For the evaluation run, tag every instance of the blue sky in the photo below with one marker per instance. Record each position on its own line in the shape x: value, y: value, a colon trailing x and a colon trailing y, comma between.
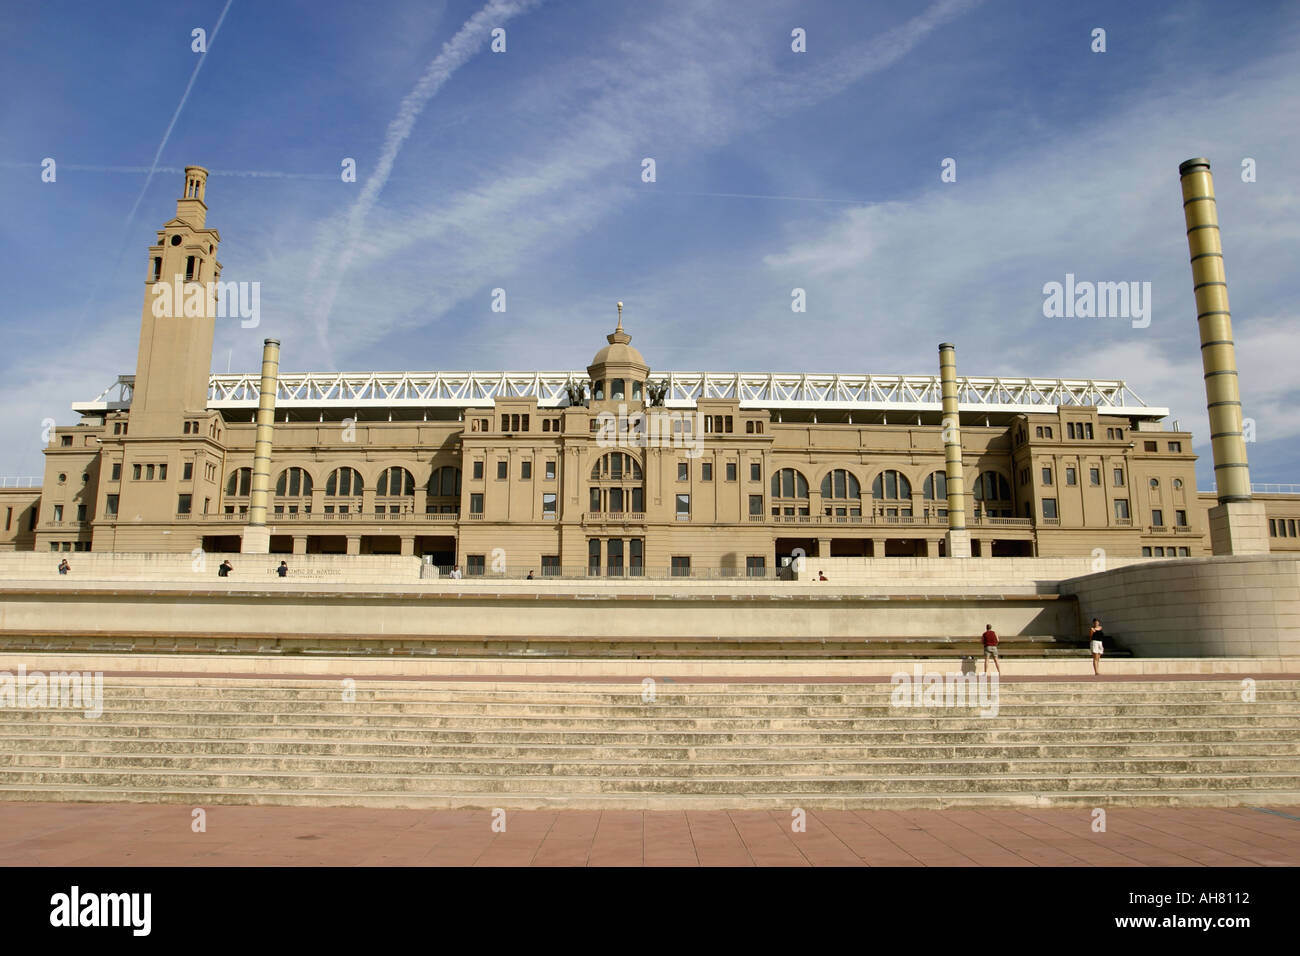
x: 522, y: 170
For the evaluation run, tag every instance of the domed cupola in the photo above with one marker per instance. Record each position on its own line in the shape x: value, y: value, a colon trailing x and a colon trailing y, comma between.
x: 618, y: 372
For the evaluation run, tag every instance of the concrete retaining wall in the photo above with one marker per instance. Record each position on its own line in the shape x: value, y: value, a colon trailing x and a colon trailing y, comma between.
x: 1246, y: 606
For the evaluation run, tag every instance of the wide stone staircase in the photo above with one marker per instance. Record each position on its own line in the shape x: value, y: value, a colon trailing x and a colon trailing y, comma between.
x: 437, y: 744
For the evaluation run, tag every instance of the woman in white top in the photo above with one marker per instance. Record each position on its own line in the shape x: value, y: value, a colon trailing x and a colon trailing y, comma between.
x: 1095, y: 638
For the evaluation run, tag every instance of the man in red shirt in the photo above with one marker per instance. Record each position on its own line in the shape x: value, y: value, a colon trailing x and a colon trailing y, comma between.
x: 991, y: 648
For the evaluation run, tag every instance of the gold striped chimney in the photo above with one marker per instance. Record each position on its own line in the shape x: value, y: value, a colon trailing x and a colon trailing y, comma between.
x: 1237, y: 525
x: 256, y: 537
x: 958, y: 538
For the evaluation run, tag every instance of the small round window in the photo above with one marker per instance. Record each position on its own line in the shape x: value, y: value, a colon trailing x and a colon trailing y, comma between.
x: 176, y: 240
x: 1178, y: 482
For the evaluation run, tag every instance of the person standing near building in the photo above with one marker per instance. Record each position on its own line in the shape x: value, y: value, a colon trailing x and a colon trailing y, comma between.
x: 1096, y: 639
x: 283, y: 569
x: 224, y: 570
x: 990, y: 639
x: 64, y: 567
x: 455, y: 572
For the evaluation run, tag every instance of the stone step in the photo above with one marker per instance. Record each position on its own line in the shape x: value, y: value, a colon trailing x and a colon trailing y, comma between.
x: 478, y: 783
x: 493, y: 733
x: 607, y: 766
x: 1284, y: 748
x: 434, y: 800
x: 901, y: 719
x: 634, y: 707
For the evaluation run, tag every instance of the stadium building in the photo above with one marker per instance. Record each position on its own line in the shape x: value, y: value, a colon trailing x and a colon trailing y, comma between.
x: 615, y: 470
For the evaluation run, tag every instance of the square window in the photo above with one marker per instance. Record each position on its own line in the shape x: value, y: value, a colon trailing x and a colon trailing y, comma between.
x: 1176, y: 447
x: 1049, y: 508
x: 1148, y: 446
x: 183, y: 505
x: 681, y: 567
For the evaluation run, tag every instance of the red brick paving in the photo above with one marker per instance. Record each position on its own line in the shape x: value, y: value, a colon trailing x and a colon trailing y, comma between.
x: 69, y: 834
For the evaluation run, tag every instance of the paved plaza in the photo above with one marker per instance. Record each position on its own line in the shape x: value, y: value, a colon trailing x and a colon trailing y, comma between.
x: 63, y: 834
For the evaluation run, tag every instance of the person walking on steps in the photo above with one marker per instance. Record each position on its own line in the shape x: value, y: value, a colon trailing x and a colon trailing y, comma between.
x: 990, y: 639
x: 1096, y: 639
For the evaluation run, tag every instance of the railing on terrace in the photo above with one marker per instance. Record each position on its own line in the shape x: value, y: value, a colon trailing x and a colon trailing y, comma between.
x: 20, y: 481
x: 618, y: 573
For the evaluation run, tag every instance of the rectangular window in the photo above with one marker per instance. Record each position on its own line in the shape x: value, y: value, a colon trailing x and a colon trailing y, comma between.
x: 548, y: 506
x: 81, y: 513
x: 731, y: 471
x: 638, y: 500
x: 1071, y: 476
x: 1184, y: 553
x: 756, y: 504
x: 706, y: 471
x: 503, y: 469
x: 476, y: 504
x: 636, y: 557
x: 148, y: 472
x: 1049, y: 508
x: 1094, y: 476
x: 593, y: 556
x: 65, y: 441
x: 614, y: 557
x: 110, y: 506
x: 525, y: 470
x: 1157, y: 518
x: 683, y: 507
x: 187, y: 471
x: 478, y: 469
x: 1180, y: 519
x: 135, y: 472
x: 183, y: 505
x: 681, y: 567
x: 550, y: 565
x: 755, y: 471
x: 162, y: 472
x: 1148, y: 446
x: 58, y: 513
x: 9, y: 518
x: 1047, y: 476
x: 1272, y: 527
x: 116, y: 473
x: 756, y: 566
x: 1038, y: 432
x: 550, y: 471
x: 616, y: 500
x: 1087, y: 427
x: 683, y: 471
x: 1119, y: 477
x: 1176, y: 447
x: 475, y: 565
x: 1121, y: 509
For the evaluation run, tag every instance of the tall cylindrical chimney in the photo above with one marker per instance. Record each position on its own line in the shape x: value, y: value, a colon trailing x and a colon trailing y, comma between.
x: 958, y: 537
x: 1218, y: 357
x: 259, y: 499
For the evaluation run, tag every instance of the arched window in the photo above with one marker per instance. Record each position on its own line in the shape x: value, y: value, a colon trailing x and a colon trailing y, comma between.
x: 444, y: 482
x: 293, y: 483
x: 935, y: 486
x: 240, y: 482
x: 789, y: 483
x: 891, y: 485
x: 395, y: 482
x: 616, y: 466
x: 841, y: 484
x: 344, y: 481
x: 993, y: 492
x: 789, y: 494
x: 990, y: 486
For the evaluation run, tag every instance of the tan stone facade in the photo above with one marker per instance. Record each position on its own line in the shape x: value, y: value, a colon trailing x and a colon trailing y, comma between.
x: 516, y: 485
